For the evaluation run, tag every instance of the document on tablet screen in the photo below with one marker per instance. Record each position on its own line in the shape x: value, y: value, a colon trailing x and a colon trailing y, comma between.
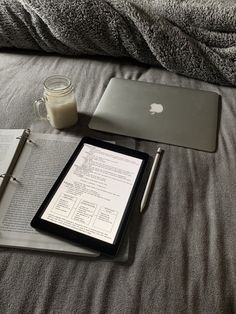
x: 93, y: 195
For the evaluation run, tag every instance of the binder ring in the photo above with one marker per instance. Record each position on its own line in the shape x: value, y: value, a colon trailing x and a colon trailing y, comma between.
x: 27, y: 134
x: 8, y: 175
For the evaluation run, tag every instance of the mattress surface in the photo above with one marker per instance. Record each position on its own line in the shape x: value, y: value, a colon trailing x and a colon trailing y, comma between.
x: 182, y: 254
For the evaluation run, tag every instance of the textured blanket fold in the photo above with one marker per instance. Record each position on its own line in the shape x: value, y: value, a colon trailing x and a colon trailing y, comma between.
x: 195, y: 38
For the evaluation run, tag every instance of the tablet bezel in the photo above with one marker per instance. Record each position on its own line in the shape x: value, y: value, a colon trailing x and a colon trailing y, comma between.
x: 75, y: 236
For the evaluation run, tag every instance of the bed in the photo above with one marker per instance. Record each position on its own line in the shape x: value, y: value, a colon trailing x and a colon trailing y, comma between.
x: 182, y: 249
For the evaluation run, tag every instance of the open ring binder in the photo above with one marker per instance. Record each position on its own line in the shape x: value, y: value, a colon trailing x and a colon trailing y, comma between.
x: 20, y: 199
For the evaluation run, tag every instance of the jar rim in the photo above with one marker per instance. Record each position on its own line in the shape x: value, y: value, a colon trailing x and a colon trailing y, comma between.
x: 54, y: 80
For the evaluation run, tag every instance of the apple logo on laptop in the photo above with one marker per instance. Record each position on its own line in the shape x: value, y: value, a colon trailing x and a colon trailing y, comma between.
x: 156, y: 108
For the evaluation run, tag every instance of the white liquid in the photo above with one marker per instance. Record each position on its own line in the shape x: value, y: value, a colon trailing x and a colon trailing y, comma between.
x: 62, y: 111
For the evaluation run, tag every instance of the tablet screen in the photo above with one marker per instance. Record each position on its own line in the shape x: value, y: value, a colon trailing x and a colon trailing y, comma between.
x: 93, y: 195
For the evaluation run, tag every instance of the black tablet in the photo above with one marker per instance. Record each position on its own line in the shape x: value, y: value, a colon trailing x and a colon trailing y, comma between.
x: 93, y: 196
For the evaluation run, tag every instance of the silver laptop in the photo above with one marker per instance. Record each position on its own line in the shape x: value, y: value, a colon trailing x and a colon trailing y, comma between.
x: 174, y: 115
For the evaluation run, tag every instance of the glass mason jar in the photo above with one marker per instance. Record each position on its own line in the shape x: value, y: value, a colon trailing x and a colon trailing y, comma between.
x: 59, y: 102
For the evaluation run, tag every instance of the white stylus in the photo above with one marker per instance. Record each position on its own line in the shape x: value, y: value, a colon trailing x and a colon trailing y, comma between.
x: 150, y: 179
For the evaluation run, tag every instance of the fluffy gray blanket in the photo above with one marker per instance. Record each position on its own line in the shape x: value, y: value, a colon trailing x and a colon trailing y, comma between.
x: 196, y: 38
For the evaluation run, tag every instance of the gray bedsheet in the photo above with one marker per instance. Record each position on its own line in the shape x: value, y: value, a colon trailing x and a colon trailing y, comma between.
x: 182, y: 253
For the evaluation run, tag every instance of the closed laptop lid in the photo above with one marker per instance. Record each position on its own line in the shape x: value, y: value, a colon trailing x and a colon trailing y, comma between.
x: 174, y: 115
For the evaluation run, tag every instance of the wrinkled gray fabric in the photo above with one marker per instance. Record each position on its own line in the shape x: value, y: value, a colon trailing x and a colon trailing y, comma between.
x: 195, y: 37
x: 182, y: 255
